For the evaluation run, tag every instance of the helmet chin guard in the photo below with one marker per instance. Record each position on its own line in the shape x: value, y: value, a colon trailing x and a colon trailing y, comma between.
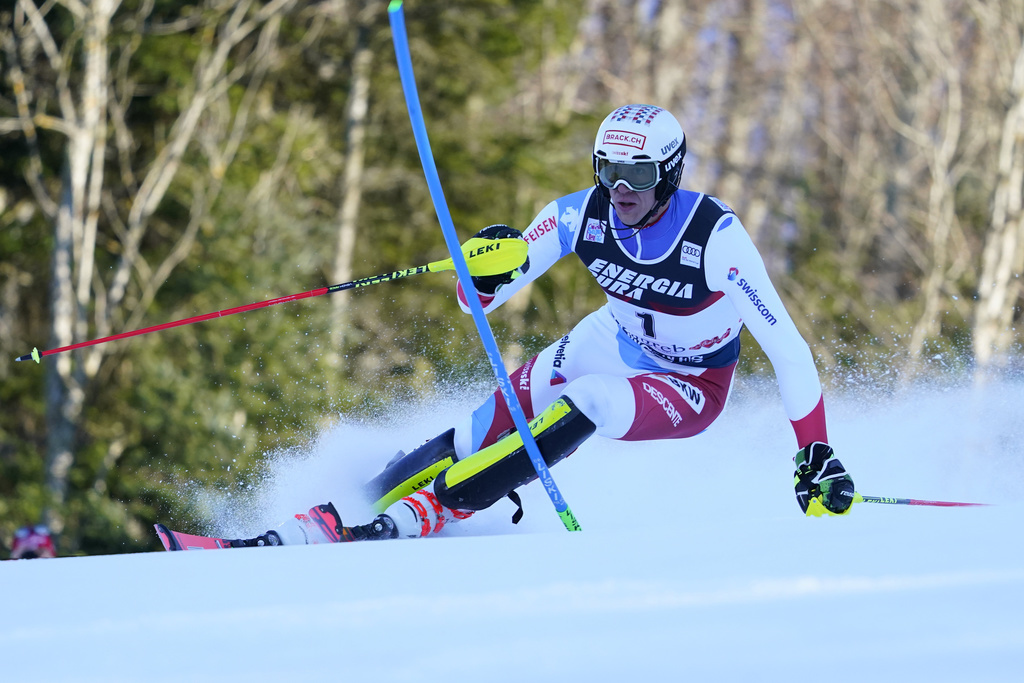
x: 642, y: 133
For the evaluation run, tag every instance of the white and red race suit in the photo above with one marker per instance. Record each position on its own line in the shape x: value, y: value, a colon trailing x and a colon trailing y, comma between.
x: 657, y: 360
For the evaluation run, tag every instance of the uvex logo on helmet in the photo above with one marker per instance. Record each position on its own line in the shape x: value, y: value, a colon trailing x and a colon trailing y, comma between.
x: 673, y: 162
x: 625, y: 138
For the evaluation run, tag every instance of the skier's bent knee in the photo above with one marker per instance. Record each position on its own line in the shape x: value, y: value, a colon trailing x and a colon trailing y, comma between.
x: 482, y: 479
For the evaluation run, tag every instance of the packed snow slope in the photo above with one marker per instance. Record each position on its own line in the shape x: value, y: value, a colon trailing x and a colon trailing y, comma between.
x: 694, y: 563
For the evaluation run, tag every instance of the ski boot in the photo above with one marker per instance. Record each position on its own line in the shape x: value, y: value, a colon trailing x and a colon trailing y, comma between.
x: 322, y: 524
x: 267, y: 539
x: 420, y: 515
x: 380, y: 529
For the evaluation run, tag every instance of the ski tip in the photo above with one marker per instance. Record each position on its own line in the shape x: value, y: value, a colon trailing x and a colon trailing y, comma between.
x: 166, y: 537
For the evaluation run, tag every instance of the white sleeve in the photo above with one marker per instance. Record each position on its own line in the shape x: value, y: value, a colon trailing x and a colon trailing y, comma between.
x: 548, y: 241
x: 735, y: 267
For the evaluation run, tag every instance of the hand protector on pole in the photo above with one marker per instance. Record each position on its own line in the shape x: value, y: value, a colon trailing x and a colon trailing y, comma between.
x: 822, y: 484
x: 490, y: 284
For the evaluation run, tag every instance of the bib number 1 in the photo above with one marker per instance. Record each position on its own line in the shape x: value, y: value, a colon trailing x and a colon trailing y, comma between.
x: 648, y: 323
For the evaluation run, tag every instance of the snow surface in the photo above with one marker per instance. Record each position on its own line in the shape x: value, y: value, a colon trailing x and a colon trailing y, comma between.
x: 694, y: 563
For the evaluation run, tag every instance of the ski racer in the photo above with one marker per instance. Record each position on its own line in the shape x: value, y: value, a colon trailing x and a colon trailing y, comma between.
x: 656, y: 361
x: 31, y: 542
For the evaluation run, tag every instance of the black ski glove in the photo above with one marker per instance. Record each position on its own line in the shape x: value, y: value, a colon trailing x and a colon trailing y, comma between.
x: 489, y: 284
x: 822, y: 483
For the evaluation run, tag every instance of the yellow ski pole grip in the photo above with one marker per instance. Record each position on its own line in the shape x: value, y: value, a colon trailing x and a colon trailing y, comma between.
x: 488, y: 257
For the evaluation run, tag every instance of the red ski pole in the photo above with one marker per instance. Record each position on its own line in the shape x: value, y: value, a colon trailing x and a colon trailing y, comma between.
x: 484, y: 257
x: 859, y: 498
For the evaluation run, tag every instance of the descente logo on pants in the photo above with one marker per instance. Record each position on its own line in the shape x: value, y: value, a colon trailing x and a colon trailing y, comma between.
x: 674, y: 415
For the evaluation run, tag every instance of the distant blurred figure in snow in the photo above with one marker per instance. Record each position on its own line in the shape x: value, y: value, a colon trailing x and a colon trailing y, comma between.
x: 682, y: 277
x: 31, y: 542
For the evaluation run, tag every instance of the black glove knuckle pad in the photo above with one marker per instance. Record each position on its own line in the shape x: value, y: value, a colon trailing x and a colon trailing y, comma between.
x: 498, y: 231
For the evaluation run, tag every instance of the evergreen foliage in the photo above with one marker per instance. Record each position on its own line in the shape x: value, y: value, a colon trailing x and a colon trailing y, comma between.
x: 512, y: 92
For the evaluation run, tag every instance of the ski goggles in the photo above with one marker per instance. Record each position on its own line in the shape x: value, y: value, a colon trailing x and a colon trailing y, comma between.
x: 638, y: 177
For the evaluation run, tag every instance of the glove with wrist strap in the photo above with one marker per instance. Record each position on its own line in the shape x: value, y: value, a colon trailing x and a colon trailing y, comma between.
x: 822, y: 484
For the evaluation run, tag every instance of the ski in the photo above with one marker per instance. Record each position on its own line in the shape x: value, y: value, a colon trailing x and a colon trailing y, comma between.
x: 322, y: 524
x: 177, y: 540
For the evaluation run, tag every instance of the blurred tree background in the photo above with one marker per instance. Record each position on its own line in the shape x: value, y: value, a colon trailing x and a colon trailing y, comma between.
x: 159, y: 160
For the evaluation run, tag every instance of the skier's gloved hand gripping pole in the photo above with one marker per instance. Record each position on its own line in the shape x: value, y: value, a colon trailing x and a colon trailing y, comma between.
x: 824, y: 488
x: 485, y: 257
x: 401, y: 42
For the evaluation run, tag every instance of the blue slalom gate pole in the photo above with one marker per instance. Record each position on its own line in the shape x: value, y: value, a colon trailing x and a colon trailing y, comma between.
x: 419, y: 129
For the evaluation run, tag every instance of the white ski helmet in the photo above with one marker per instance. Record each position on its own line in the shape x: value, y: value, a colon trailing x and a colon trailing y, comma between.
x: 642, y: 146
